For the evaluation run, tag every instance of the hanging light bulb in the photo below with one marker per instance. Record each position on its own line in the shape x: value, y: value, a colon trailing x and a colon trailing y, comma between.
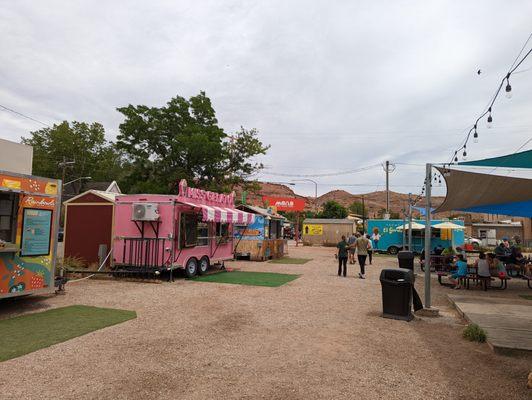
x: 508, y: 87
x: 464, y: 154
x: 455, y: 158
x: 439, y: 181
x: 490, y: 119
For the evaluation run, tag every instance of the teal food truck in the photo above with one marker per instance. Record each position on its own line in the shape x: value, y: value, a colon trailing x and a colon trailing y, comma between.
x: 391, y: 235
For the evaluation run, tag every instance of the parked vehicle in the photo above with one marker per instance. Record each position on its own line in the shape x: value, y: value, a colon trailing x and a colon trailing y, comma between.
x: 160, y: 233
x: 476, y: 243
x: 391, y: 238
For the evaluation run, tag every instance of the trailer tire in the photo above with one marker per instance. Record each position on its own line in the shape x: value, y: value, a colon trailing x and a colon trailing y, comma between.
x: 204, y: 265
x: 191, y: 267
x: 393, y: 250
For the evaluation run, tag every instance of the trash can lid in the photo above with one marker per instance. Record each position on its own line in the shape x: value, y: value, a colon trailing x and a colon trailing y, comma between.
x: 405, y: 254
x: 395, y: 274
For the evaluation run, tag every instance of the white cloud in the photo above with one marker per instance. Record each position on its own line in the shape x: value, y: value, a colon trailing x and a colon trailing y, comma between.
x: 331, y: 85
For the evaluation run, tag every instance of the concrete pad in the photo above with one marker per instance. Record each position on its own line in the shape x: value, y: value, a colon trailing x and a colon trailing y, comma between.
x: 507, y: 322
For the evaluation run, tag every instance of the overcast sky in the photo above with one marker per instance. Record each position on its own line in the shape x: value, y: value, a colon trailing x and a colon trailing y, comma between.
x: 332, y: 85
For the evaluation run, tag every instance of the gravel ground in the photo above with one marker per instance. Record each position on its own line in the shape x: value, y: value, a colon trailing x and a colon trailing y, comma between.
x: 318, y: 337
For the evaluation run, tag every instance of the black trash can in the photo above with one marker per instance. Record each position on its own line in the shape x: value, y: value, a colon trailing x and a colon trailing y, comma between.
x: 397, y: 287
x: 406, y: 259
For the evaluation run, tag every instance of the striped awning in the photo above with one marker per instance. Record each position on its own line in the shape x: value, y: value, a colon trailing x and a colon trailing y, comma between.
x: 223, y: 214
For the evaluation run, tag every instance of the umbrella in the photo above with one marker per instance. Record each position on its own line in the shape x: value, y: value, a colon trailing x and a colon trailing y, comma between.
x: 415, y: 226
x: 448, y: 225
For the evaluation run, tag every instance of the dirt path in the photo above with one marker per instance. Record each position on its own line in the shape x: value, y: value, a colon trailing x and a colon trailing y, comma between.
x: 318, y: 337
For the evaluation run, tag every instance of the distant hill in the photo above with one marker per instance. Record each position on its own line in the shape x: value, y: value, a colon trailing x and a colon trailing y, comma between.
x: 373, y: 201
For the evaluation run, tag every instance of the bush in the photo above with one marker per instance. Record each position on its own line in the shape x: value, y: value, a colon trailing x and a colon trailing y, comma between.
x: 474, y: 333
x: 73, y: 263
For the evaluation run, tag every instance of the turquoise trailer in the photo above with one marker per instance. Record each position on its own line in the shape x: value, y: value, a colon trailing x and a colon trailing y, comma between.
x: 391, y: 238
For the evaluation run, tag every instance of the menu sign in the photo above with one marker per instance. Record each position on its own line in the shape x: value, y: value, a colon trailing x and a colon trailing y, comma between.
x: 36, y: 232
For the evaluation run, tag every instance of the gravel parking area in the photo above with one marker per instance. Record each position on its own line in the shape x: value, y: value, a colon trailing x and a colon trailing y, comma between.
x: 317, y: 337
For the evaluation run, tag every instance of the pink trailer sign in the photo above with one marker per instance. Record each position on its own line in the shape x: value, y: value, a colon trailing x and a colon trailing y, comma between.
x: 156, y: 234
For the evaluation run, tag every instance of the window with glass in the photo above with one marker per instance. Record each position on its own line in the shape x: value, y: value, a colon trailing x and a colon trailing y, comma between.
x: 189, y: 230
x: 222, y: 232
x: 8, y: 216
x: 203, y: 234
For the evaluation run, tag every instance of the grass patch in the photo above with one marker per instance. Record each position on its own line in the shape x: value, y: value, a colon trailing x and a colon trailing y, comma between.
x: 249, y: 278
x: 474, y: 333
x: 27, y: 333
x: 289, y: 260
x: 526, y: 296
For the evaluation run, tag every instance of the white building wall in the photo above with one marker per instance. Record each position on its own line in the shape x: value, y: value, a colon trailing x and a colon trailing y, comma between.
x: 15, y: 157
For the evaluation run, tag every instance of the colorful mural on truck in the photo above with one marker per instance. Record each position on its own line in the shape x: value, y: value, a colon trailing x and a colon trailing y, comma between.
x: 27, y: 263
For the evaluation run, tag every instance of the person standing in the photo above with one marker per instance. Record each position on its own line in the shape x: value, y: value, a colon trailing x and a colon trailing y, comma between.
x: 376, y: 237
x: 351, y: 242
x: 342, y: 256
x: 362, y: 253
x: 370, y: 250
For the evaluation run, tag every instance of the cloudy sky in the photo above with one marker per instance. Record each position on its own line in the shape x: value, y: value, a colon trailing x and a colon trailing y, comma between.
x: 333, y: 86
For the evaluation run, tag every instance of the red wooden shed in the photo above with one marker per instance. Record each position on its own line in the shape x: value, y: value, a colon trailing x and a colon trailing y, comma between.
x: 88, y: 225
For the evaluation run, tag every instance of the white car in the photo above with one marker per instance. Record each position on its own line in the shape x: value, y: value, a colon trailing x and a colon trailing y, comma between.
x: 471, y: 240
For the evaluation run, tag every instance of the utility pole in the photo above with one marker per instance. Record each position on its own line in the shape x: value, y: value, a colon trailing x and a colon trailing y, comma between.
x: 388, y: 168
x: 428, y: 181
x: 363, y: 214
x: 64, y: 164
x: 409, y: 221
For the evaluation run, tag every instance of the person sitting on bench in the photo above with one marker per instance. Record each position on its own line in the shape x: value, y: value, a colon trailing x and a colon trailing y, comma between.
x: 483, y: 267
x: 496, y: 266
x: 461, y: 272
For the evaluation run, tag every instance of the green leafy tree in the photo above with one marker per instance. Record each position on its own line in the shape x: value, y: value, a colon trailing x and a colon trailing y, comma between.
x: 183, y: 140
x: 332, y: 209
x: 83, y: 143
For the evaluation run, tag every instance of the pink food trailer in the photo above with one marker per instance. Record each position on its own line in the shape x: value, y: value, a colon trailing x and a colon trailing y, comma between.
x: 155, y: 233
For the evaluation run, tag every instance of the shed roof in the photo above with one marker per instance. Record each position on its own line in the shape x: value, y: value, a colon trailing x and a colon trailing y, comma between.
x: 327, y: 221
x: 109, y: 196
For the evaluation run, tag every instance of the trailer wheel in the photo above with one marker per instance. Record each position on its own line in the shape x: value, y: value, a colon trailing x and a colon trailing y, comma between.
x: 191, y: 267
x: 393, y: 250
x: 203, y: 265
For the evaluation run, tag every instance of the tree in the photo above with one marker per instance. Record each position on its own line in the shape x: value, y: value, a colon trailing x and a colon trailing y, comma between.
x: 83, y: 143
x: 332, y: 209
x: 183, y: 140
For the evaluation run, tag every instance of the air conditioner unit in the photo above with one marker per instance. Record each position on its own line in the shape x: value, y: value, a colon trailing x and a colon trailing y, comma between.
x: 145, y: 212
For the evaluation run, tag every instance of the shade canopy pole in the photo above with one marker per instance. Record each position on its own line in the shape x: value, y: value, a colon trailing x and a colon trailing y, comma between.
x: 428, y: 181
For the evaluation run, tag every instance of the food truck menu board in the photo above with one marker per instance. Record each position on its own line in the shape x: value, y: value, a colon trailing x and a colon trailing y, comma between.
x: 36, y: 232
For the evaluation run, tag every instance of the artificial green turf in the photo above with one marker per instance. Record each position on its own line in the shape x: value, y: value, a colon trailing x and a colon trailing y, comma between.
x: 249, y: 278
x: 526, y: 296
x: 27, y: 333
x: 289, y: 260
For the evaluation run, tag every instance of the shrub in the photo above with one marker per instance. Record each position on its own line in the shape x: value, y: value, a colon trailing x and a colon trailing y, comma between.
x: 73, y: 263
x: 474, y: 333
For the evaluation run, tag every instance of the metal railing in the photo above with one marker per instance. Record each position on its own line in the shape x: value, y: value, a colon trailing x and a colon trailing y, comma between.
x: 144, y: 253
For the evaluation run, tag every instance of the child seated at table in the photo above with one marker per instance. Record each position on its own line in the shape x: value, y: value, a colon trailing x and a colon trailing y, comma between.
x: 482, y: 265
x: 461, y: 272
x: 497, y: 267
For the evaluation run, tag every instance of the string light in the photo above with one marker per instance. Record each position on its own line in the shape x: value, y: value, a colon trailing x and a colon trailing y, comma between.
x: 508, y: 90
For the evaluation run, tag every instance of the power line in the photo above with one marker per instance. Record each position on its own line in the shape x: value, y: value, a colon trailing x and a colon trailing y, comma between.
x: 353, y: 171
x: 23, y: 115
x: 523, y: 145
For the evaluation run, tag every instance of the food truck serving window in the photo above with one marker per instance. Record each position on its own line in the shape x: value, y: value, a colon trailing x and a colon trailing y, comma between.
x: 8, y: 216
x: 189, y: 230
x: 203, y: 234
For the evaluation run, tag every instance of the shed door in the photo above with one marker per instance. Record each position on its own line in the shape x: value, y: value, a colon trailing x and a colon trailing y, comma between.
x: 87, y: 227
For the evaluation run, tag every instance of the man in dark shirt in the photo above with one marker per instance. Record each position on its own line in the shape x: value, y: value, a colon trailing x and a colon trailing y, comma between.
x: 342, y: 256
